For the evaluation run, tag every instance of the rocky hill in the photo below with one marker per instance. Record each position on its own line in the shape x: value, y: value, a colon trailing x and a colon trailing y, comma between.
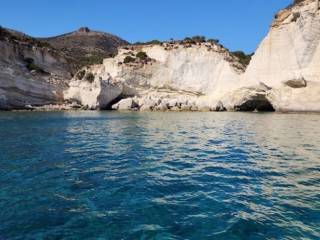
x: 85, y: 46
x: 35, y: 72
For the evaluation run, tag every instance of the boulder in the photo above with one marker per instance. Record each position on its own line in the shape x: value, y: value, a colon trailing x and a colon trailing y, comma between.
x: 172, y: 103
x: 220, y: 107
x: 185, y: 107
x: 161, y: 107
x: 175, y: 109
x: 296, y: 83
x: 148, y: 103
x: 194, y: 108
x: 125, y: 105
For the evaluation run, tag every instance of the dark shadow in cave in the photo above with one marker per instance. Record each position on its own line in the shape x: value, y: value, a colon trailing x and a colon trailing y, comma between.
x: 261, y: 104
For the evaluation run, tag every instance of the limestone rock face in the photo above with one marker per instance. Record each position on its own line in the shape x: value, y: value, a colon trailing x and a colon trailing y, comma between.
x: 30, y: 75
x: 95, y: 94
x: 205, y: 76
x: 283, y: 75
x: 287, y: 61
x: 287, y: 99
x: 154, y: 74
x: 291, y: 50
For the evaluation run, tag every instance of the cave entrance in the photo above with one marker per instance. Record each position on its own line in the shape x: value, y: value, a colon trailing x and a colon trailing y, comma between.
x: 114, y: 101
x: 261, y: 104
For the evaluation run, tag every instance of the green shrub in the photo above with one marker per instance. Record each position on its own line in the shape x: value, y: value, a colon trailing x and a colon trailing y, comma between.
x: 92, y: 60
x: 155, y: 42
x: 90, y: 77
x: 189, y: 40
x: 80, y: 74
x: 213, y: 41
x: 243, y: 58
x: 152, y: 42
x: 296, y: 15
x: 31, y: 66
x: 40, y: 44
x: 199, y: 39
x: 129, y: 59
x: 142, y: 55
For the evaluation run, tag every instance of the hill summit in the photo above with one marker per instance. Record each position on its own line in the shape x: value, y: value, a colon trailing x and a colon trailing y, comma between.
x: 86, y: 46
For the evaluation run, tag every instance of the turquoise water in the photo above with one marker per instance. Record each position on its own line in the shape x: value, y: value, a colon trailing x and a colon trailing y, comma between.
x: 100, y: 175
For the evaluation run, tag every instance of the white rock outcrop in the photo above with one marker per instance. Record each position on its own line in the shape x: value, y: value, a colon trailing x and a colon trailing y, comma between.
x: 291, y: 50
x: 192, y: 76
x: 283, y: 75
x: 93, y: 94
x: 288, y: 59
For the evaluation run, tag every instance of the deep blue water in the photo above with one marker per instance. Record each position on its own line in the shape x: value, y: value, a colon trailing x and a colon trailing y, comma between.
x: 100, y: 175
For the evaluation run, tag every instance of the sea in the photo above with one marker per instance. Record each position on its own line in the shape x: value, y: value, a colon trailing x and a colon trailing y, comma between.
x: 110, y: 175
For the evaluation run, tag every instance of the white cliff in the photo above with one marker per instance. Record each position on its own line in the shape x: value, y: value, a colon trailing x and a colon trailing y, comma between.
x: 92, y: 92
x: 176, y: 76
x: 289, y: 55
x: 283, y: 75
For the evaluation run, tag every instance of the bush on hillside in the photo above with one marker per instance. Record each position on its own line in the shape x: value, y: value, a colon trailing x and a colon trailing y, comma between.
x: 92, y: 60
x: 199, y: 39
x: 129, y: 59
x: 243, y: 58
x: 31, y: 66
x: 152, y: 42
x: 90, y: 77
x: 188, y: 40
x: 80, y: 74
x: 142, y: 55
x: 213, y: 41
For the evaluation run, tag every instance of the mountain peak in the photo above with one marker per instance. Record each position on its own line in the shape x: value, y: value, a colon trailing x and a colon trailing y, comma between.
x: 84, y: 30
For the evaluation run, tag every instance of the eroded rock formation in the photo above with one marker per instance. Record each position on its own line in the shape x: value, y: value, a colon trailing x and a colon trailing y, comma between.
x: 193, y: 76
x: 31, y: 73
x: 189, y: 75
x: 288, y: 60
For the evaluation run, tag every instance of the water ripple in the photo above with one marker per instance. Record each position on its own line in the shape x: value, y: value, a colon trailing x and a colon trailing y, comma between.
x: 91, y: 175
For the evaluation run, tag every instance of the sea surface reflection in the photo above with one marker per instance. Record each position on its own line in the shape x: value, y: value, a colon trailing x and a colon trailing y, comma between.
x: 105, y: 175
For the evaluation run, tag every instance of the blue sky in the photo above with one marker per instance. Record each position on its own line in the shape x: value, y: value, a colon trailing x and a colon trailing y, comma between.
x: 239, y: 24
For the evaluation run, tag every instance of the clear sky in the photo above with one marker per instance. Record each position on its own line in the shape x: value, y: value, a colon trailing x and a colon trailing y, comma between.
x: 239, y: 24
